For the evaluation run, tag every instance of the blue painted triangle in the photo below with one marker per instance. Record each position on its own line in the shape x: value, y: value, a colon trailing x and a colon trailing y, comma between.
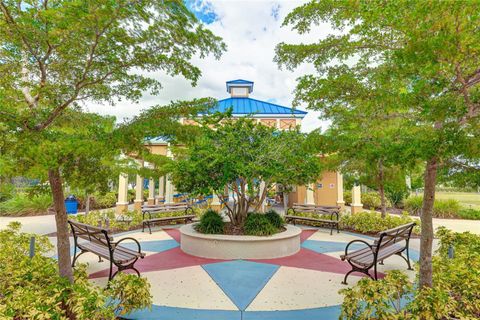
x: 241, y: 280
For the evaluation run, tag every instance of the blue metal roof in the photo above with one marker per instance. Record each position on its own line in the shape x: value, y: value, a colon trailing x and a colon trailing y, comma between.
x: 252, y: 106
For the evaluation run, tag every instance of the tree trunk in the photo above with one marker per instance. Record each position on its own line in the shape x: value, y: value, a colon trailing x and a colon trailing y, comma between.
x: 381, y: 188
x: 285, y: 202
x: 63, y: 242
x: 426, y: 239
x: 87, y: 203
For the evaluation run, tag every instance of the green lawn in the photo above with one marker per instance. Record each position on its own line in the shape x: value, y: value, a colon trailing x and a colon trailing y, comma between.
x: 467, y: 199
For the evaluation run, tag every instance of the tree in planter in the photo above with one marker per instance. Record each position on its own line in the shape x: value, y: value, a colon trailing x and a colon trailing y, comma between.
x: 428, y: 50
x: 54, y: 56
x: 239, y: 154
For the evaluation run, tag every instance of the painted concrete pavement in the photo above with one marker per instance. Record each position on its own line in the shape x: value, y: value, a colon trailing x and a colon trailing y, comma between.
x: 302, y: 286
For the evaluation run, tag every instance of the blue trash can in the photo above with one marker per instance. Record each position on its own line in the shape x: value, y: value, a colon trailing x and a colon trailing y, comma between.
x: 71, y: 204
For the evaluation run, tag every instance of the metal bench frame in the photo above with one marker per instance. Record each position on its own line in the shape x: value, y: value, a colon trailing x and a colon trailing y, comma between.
x: 102, y: 237
x: 333, y: 211
x: 384, y: 240
x: 168, y: 208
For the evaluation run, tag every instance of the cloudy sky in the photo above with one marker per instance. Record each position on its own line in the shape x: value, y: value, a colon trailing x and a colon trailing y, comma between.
x: 251, y: 30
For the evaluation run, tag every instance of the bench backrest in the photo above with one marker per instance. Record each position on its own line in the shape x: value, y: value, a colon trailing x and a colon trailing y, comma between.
x: 93, y: 234
x: 315, y: 209
x: 165, y: 208
x: 394, y: 235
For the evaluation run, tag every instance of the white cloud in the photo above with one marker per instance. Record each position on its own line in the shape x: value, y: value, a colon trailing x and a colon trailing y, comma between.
x: 251, y: 30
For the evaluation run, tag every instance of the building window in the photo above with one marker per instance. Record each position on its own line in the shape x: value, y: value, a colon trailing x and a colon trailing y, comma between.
x: 332, y: 185
x: 319, y: 185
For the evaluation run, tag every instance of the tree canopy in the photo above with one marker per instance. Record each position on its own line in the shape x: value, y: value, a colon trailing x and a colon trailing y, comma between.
x: 419, y: 62
x: 57, y: 56
x: 239, y: 154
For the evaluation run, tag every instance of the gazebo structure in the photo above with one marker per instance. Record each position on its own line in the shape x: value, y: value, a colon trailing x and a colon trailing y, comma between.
x: 328, y: 190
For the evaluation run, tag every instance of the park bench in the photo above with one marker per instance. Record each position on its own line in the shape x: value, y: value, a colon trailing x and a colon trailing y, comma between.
x: 150, y: 211
x: 319, y: 211
x: 100, y: 242
x: 387, y: 243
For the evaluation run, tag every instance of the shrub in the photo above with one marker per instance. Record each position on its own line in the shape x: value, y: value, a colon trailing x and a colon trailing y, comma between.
x: 470, y: 214
x: 413, y: 204
x: 21, y: 205
x: 442, y: 208
x: 274, y: 218
x: 36, y: 291
x: 211, y: 223
x: 455, y: 293
x: 6, y: 191
x: 257, y: 224
x: 103, y: 201
x: 370, y: 200
x: 372, y: 222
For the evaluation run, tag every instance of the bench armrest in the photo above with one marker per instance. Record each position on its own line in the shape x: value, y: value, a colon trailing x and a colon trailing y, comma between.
x: 115, y: 245
x: 354, y: 241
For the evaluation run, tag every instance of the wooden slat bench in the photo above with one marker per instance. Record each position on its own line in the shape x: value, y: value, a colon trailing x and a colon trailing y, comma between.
x: 166, y: 208
x: 319, y: 211
x: 387, y: 243
x: 100, y: 242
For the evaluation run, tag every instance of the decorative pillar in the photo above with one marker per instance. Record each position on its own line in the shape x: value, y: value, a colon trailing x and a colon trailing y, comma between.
x: 138, y: 193
x: 216, y: 205
x: 356, y: 204
x: 161, y: 189
x: 168, y: 191
x: 151, y: 192
x: 310, y: 198
x: 340, y: 201
x: 122, y: 203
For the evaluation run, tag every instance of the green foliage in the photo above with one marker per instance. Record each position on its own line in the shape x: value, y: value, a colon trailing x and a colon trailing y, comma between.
x: 275, y: 219
x: 471, y: 214
x: 370, y: 200
x: 379, y: 299
x: 372, y: 222
x: 103, y: 201
x: 211, y: 223
x: 241, y: 152
x: 6, y: 190
x: 455, y: 293
x: 22, y: 204
x: 258, y: 224
x: 32, y: 289
x: 442, y: 208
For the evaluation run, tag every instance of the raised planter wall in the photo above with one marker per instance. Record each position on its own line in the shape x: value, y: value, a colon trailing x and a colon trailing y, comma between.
x: 239, y: 247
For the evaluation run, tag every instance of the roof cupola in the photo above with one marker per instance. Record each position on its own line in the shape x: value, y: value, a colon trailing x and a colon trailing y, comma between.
x: 239, y: 88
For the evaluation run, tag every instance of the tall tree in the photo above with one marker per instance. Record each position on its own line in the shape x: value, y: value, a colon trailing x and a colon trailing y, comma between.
x: 55, y: 55
x: 428, y: 49
x: 240, y: 154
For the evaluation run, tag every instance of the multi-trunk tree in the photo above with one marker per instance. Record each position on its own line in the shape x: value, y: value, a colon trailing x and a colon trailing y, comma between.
x: 56, y: 55
x: 247, y: 158
x: 429, y: 50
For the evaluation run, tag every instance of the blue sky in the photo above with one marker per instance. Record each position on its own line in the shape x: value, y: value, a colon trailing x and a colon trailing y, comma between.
x: 251, y: 29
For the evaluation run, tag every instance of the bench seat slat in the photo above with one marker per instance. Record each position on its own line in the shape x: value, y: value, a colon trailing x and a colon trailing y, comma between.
x: 190, y: 216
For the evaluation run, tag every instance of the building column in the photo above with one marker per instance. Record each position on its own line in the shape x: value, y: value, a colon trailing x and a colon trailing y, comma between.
x: 151, y: 192
x: 122, y: 200
x: 356, y: 204
x: 168, y: 191
x: 161, y: 189
x: 340, y: 201
x: 138, y: 202
x: 310, y: 198
x: 216, y: 204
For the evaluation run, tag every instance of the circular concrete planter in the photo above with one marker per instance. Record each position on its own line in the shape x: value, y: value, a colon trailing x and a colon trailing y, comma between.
x: 218, y: 246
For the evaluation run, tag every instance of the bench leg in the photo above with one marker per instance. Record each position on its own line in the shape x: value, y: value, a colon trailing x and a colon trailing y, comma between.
x: 407, y: 260
x: 149, y: 228
x: 143, y: 226
x: 100, y: 259
x: 110, y: 277
x: 75, y: 257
